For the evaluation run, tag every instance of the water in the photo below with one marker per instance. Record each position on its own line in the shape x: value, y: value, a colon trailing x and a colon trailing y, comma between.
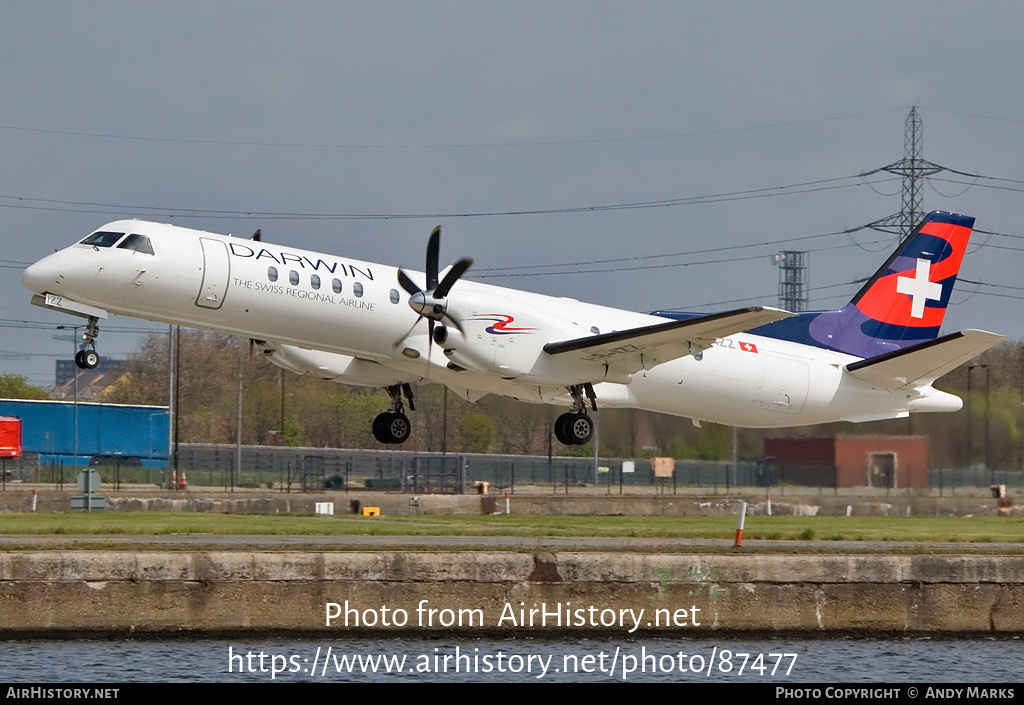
x: 854, y: 660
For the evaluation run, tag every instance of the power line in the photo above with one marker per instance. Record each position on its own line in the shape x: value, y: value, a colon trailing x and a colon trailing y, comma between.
x: 667, y: 265
x: 982, y: 185
x: 1000, y: 286
x: 456, y: 145
x: 747, y: 299
x: 686, y: 253
x: 974, y: 115
x: 151, y: 211
x: 42, y: 325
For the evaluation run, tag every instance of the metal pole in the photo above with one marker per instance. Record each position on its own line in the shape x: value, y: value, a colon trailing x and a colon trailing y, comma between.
x: 177, y: 396
x: 444, y: 424
x: 735, y: 454
x: 987, y: 459
x: 74, y: 346
x: 970, y: 420
x: 551, y: 471
x: 238, y: 431
x: 170, y: 404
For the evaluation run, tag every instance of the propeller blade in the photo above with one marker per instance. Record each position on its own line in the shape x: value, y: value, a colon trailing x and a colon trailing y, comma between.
x: 455, y: 324
x: 433, y: 254
x: 407, y: 333
x: 408, y: 284
x: 457, y: 270
x: 430, y: 338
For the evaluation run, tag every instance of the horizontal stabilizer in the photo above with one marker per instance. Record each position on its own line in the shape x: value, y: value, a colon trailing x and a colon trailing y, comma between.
x: 642, y: 348
x: 925, y: 362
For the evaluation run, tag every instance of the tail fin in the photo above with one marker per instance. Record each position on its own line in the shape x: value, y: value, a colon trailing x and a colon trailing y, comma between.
x: 903, y: 304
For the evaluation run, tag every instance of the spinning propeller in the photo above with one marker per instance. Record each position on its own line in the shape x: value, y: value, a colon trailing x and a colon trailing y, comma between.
x: 432, y: 303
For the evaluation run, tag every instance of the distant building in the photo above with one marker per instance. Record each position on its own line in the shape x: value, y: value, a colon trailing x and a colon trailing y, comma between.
x: 66, y: 369
x: 850, y: 461
x: 90, y: 382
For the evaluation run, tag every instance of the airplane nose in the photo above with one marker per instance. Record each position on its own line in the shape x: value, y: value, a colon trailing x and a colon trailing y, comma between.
x: 42, y: 276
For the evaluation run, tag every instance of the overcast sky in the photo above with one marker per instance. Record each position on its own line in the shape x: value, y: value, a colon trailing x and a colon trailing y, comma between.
x: 444, y: 109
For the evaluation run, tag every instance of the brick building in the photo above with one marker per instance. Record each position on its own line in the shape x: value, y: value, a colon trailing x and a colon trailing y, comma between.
x: 850, y: 461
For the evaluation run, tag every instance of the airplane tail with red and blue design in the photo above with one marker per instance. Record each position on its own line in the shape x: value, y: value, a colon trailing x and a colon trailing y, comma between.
x: 902, y: 305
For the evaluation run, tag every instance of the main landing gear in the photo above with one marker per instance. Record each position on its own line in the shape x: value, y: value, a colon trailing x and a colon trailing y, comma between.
x: 88, y: 358
x: 576, y: 427
x: 393, y: 427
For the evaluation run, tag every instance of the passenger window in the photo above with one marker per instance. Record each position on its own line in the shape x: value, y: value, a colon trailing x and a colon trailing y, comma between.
x: 293, y: 277
x: 138, y: 243
x: 272, y: 273
x: 394, y: 296
x: 336, y: 285
x: 357, y: 289
x: 314, y: 281
x: 102, y: 239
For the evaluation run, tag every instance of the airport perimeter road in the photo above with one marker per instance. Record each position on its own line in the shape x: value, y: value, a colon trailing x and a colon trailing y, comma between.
x: 353, y: 542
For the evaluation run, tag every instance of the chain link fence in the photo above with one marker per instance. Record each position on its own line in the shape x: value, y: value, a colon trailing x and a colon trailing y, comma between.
x: 316, y: 469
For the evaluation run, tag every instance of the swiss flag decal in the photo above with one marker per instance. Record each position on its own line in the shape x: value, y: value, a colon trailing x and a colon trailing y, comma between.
x: 748, y: 347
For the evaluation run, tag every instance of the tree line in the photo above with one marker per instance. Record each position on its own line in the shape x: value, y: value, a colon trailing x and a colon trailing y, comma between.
x: 280, y: 407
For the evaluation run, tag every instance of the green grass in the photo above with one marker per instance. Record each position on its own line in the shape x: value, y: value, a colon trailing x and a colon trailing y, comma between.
x: 976, y: 529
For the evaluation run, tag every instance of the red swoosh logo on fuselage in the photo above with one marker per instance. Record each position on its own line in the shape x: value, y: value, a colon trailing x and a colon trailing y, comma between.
x: 501, y: 324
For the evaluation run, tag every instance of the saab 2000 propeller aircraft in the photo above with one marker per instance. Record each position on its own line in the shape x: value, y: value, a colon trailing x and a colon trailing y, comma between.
x: 350, y: 322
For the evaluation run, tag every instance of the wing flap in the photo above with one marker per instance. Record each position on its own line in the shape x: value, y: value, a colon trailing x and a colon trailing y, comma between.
x: 642, y: 348
x: 923, y: 363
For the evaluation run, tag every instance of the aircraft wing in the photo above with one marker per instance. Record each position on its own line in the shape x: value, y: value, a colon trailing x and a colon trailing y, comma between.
x: 642, y: 348
x: 925, y: 362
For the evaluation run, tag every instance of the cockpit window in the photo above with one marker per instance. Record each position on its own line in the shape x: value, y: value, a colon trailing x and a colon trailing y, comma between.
x: 139, y: 243
x: 102, y: 239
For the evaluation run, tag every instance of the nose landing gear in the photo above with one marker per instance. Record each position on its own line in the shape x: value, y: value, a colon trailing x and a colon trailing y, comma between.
x: 88, y: 358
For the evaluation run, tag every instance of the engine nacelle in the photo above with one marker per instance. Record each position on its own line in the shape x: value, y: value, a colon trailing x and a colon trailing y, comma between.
x: 344, y: 369
x: 507, y: 340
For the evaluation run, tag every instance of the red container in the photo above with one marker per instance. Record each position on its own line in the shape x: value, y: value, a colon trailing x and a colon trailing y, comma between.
x: 10, y: 437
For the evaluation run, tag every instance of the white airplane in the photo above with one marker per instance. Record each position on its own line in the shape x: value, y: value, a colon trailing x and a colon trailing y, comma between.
x: 351, y: 322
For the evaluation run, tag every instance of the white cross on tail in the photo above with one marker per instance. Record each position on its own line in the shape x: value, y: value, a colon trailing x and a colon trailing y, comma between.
x: 919, y: 289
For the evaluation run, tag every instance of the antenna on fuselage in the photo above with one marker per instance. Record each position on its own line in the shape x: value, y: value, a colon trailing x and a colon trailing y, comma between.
x: 257, y: 236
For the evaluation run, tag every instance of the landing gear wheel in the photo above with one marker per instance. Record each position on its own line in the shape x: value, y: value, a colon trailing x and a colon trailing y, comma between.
x: 86, y: 359
x: 391, y: 428
x: 573, y: 429
x: 379, y: 422
x: 562, y: 429
x: 581, y: 428
x: 399, y: 428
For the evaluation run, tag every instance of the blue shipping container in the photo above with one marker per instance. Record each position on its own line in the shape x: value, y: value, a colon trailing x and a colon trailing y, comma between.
x: 138, y: 435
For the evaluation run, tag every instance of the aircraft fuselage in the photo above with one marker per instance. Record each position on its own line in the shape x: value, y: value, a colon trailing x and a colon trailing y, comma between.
x: 351, y: 321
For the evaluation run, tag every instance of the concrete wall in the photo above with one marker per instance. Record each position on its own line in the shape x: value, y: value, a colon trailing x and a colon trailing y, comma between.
x: 66, y: 592
x: 539, y: 504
